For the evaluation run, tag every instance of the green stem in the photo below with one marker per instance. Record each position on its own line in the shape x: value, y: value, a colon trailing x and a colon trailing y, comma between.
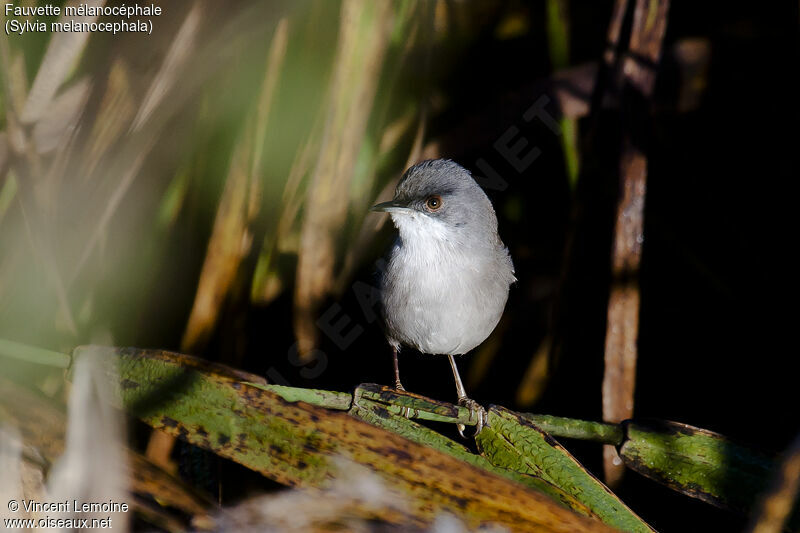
x: 33, y: 354
x: 416, y: 406
x: 572, y: 428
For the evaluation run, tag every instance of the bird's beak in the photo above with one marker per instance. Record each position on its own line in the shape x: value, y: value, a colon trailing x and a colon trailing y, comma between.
x: 392, y: 206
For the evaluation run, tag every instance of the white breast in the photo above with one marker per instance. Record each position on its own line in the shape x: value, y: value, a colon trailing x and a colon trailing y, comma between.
x: 439, y: 295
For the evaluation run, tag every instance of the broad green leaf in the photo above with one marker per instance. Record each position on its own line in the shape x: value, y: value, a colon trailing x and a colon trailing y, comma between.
x: 698, y: 463
x: 388, y: 417
x: 297, y: 443
x: 511, y: 441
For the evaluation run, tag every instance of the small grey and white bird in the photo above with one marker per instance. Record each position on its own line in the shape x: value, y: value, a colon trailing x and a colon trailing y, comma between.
x: 447, y: 277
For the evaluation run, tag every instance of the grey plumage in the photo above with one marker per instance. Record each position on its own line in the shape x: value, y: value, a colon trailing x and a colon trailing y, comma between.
x: 447, y: 278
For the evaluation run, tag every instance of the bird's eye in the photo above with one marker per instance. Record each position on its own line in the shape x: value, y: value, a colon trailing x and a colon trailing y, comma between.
x: 433, y: 202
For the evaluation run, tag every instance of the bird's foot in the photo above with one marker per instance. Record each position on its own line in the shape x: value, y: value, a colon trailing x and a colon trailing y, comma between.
x: 476, y: 412
x: 405, y: 412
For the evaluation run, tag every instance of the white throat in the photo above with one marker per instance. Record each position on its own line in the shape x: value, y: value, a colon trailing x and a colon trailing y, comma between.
x: 418, y: 230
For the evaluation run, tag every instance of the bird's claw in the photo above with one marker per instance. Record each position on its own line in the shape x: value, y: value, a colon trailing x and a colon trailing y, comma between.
x: 405, y: 411
x: 475, y: 410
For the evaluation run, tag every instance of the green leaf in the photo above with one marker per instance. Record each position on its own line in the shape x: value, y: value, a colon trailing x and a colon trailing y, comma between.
x: 298, y: 443
x: 697, y: 462
x: 513, y: 442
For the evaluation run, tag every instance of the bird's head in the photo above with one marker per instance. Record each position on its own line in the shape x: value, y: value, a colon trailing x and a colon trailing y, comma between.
x: 441, y: 199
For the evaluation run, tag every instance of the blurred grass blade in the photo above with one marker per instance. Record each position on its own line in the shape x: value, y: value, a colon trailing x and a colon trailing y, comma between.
x: 62, y: 53
x: 114, y: 200
x: 11, y: 466
x: 32, y: 354
x: 15, y: 90
x: 177, y: 56
x: 360, y: 244
x: 231, y: 237
x: 93, y: 465
x: 275, y: 60
x: 229, y: 244
x: 54, y: 127
x: 558, y: 37
x: 42, y: 425
x: 207, y: 58
x: 269, y: 279
x: 4, y: 151
x: 7, y: 193
x: 536, y: 376
x: 774, y: 512
x: 364, y: 36
x: 511, y: 441
x: 173, y: 199
x: 117, y: 108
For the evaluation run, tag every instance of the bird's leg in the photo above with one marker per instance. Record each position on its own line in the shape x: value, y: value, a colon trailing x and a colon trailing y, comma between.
x: 397, y: 385
x: 472, y: 405
x: 460, y: 390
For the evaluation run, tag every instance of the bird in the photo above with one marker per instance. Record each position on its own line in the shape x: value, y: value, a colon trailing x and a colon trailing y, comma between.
x: 445, y: 282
